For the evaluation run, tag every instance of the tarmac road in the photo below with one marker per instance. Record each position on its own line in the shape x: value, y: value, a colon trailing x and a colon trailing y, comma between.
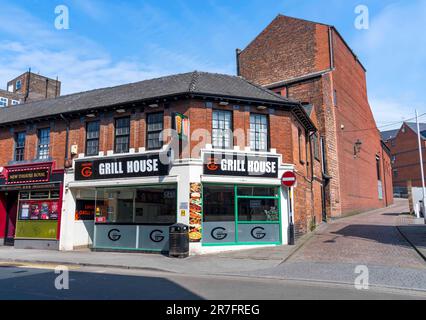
x: 37, y: 282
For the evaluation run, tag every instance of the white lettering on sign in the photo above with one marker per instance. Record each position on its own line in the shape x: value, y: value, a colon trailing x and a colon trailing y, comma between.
x: 110, y: 168
x: 253, y: 166
x: 141, y: 166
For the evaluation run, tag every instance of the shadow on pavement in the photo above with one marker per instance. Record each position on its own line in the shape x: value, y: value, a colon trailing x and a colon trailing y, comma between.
x: 32, y: 284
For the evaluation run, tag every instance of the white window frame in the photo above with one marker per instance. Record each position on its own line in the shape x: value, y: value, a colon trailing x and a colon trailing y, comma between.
x: 15, y: 102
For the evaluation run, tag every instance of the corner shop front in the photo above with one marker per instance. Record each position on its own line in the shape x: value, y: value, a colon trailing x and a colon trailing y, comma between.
x: 243, y: 202
x: 228, y: 206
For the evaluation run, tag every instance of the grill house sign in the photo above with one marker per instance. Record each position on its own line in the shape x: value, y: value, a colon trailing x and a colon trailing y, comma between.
x: 221, y: 164
x: 122, y: 167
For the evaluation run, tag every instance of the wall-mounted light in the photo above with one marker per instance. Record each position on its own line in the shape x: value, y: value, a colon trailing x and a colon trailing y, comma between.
x: 121, y: 110
x: 154, y: 105
x: 90, y: 115
x: 261, y: 108
x: 223, y: 103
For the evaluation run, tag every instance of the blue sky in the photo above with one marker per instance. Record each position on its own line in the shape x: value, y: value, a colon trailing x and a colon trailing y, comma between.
x: 115, y: 42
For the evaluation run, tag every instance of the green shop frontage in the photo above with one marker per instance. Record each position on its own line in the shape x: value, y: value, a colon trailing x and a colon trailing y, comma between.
x: 243, y: 202
x: 241, y: 215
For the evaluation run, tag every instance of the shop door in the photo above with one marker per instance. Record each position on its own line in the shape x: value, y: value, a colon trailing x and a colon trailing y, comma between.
x: 12, y: 208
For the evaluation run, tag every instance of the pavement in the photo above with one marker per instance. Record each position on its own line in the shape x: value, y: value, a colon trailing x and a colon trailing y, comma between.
x: 333, y: 254
x: 414, y: 231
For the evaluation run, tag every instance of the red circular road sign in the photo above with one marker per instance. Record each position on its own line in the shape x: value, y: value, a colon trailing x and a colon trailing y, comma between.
x: 289, y: 179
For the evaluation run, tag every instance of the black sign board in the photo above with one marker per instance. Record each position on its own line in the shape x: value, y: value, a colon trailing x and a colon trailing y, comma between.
x: 28, y: 175
x: 122, y: 167
x: 221, y: 164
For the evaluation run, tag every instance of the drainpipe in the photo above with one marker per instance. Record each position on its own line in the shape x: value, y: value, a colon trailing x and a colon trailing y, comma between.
x: 330, y: 44
x: 66, y: 137
x: 312, y: 173
x: 27, y: 92
x: 238, y: 52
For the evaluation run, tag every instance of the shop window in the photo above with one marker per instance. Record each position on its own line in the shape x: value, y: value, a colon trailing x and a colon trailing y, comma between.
x: 155, y: 125
x: 144, y: 205
x: 92, y: 138
x: 219, y: 203
x: 222, y: 129
x: 258, y: 191
x: 122, y: 135
x: 39, y: 205
x: 258, y: 210
x: 43, y: 144
x: 20, y: 146
x: 259, y: 135
x: 241, y: 215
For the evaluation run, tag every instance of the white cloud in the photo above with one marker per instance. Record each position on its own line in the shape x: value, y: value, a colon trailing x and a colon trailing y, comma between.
x: 390, y: 113
x: 394, y: 51
x: 80, y: 63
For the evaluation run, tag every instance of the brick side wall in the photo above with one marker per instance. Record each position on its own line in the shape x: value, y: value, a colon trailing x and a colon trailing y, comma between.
x: 358, y: 174
x: 406, y: 166
x: 286, y: 49
x: 40, y: 87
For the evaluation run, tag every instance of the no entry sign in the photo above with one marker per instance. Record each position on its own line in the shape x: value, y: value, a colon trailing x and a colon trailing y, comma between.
x: 288, y: 179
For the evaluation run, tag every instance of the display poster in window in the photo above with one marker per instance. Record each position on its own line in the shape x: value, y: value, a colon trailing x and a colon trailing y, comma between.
x: 85, y: 210
x: 39, y: 210
x: 195, y: 212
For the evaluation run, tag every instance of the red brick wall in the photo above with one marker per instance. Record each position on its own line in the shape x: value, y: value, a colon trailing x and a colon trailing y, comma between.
x: 358, y: 175
x: 405, y: 148
x: 286, y: 49
x: 290, y: 48
x: 284, y: 138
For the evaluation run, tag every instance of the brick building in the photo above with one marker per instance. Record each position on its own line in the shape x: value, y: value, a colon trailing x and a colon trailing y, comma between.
x: 405, y: 157
x: 112, y: 172
x: 29, y: 87
x: 311, y: 62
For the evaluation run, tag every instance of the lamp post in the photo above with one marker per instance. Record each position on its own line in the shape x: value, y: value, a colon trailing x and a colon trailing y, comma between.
x: 421, y: 164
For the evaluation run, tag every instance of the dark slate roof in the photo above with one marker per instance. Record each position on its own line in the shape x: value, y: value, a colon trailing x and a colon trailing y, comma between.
x: 390, y: 134
x: 413, y: 126
x: 217, y: 85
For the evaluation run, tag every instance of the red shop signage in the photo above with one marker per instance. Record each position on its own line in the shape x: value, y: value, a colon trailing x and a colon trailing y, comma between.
x: 28, y: 175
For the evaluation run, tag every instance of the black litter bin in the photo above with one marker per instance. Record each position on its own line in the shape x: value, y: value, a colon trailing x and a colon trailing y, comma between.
x: 179, y: 241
